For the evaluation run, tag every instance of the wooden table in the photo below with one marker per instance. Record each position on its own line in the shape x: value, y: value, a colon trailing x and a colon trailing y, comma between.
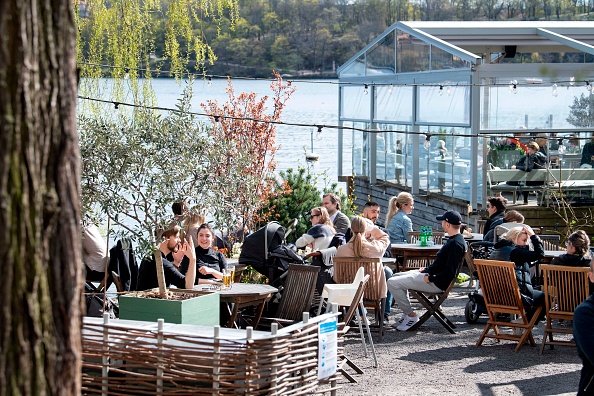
x: 410, y: 251
x: 242, y: 295
x: 550, y: 254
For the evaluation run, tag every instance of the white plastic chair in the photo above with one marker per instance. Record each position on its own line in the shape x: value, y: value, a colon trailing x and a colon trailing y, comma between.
x: 341, y: 294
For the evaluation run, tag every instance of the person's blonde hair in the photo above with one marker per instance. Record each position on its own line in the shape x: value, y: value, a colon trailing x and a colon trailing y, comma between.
x: 324, y: 217
x: 396, y: 203
x: 358, y: 227
x: 193, y: 219
x: 513, y: 234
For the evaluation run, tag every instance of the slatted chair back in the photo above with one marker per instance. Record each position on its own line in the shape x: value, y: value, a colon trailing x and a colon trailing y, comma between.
x: 413, y: 236
x: 298, y: 293
x: 345, y: 270
x: 502, y: 295
x: 565, y: 288
x: 550, y: 242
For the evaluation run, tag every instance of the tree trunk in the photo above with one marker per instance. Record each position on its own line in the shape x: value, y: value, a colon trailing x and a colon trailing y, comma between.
x: 41, y: 290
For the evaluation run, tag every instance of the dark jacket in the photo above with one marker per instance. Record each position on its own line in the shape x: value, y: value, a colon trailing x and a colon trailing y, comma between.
x: 532, y: 161
x: 123, y: 262
x: 588, y: 154
x: 446, y: 263
x: 147, y: 274
x: 493, y: 221
x: 523, y: 258
x: 205, y: 258
x: 583, y: 333
x: 572, y: 260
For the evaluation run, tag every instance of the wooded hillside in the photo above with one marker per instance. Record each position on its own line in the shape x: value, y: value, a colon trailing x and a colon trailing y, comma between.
x: 314, y: 37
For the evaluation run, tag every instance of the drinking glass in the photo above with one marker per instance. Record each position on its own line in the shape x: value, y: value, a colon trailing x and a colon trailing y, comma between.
x: 226, y: 278
x: 232, y: 269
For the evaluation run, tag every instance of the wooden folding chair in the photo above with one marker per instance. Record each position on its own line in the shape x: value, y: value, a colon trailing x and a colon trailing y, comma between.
x: 502, y: 295
x: 432, y: 303
x: 345, y: 270
x: 565, y: 288
x: 297, y: 295
x: 355, y: 306
x: 551, y: 242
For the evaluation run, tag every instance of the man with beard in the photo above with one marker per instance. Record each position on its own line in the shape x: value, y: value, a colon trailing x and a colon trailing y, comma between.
x: 171, y: 244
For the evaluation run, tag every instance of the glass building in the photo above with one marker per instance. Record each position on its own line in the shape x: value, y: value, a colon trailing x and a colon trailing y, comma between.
x: 427, y: 104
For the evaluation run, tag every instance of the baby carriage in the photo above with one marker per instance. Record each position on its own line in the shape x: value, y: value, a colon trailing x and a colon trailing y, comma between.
x: 268, y: 253
x: 475, y: 307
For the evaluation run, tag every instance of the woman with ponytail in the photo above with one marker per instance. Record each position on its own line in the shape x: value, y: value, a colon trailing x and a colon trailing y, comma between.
x: 399, y: 224
x: 367, y: 241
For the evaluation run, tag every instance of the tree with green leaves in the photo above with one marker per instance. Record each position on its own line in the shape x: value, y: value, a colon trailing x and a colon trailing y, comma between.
x: 581, y: 113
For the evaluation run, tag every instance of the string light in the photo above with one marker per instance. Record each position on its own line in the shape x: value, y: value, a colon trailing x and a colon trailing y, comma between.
x: 217, y: 118
x: 366, y: 90
x: 391, y: 89
x: 440, y: 90
x: 427, y: 143
x: 572, y: 80
x: 588, y: 86
x: 319, y: 135
x: 209, y: 81
x: 494, y: 134
x: 449, y: 91
x: 555, y: 93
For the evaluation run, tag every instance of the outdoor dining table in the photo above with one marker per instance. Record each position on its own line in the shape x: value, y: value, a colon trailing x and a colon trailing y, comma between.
x: 414, y: 251
x: 242, y: 295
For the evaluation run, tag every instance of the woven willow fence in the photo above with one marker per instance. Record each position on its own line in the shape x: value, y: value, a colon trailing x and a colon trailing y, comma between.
x: 140, y: 358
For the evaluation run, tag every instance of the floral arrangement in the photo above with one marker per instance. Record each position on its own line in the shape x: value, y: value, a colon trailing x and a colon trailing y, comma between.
x: 508, y: 143
x: 236, y: 250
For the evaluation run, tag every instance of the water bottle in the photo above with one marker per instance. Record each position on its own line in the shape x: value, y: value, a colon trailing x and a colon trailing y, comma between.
x: 429, y: 236
x: 423, y: 236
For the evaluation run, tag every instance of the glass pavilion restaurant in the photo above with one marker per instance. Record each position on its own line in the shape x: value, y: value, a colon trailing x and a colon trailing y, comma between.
x: 423, y: 105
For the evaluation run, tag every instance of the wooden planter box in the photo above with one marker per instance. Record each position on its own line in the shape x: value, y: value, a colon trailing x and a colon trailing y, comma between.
x: 200, y: 310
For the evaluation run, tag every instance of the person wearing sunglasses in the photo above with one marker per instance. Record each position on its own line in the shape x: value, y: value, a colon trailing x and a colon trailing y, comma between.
x: 496, y: 210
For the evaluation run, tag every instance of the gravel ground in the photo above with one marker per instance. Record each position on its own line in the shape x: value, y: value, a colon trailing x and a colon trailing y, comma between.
x: 432, y: 361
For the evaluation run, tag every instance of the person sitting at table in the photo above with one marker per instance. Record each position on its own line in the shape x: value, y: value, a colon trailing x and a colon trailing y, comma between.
x: 496, y: 209
x: 513, y: 246
x: 588, y: 154
x: 399, y: 224
x: 578, y: 251
x: 367, y: 241
x: 533, y: 159
x: 318, y: 238
x: 171, y: 243
x: 434, y: 278
x: 210, y: 262
x: 510, y: 216
x: 191, y: 224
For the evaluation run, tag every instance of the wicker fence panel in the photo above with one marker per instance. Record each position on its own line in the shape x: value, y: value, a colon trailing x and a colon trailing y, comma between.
x: 119, y: 360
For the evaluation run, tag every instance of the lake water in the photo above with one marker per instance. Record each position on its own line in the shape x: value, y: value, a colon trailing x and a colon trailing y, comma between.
x: 314, y: 102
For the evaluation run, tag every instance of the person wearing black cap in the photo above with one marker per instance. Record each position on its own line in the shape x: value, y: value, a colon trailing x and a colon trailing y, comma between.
x: 434, y: 278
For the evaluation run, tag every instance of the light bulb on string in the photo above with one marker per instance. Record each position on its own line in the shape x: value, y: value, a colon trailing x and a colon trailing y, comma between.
x: 366, y: 90
x: 514, y: 88
x: 427, y: 143
x: 440, y: 90
x: 391, y: 88
x: 572, y: 80
x: 555, y: 93
x: 319, y: 134
x: 449, y: 91
x: 588, y: 86
x: 210, y: 81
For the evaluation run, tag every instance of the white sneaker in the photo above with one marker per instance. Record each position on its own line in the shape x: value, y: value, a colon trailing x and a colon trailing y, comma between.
x: 399, y: 321
x: 409, y: 322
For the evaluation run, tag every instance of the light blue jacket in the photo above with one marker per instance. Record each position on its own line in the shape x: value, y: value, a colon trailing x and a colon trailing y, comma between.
x: 399, y: 227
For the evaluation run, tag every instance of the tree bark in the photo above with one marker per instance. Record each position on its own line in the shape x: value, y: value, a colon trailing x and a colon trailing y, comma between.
x: 40, y: 255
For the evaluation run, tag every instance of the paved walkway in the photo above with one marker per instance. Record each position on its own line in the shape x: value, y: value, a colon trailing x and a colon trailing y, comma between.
x: 431, y: 361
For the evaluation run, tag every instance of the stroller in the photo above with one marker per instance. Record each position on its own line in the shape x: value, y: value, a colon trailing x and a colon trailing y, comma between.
x: 475, y: 307
x: 268, y: 253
